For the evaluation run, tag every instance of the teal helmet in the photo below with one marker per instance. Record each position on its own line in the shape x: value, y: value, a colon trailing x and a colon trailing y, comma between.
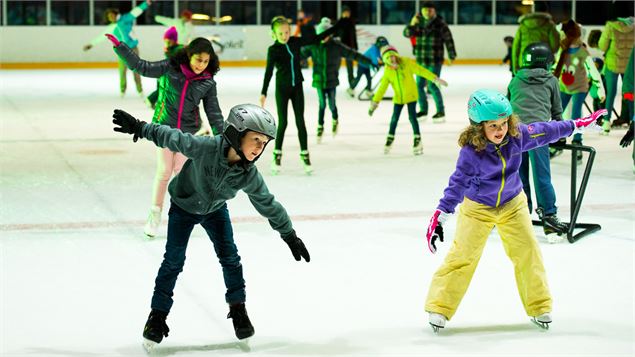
x: 487, y: 104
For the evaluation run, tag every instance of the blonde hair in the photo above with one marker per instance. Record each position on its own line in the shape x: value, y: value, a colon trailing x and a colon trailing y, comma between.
x: 475, y: 134
x: 277, y: 21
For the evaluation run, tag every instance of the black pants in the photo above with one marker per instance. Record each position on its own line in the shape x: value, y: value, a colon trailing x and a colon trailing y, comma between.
x: 296, y: 95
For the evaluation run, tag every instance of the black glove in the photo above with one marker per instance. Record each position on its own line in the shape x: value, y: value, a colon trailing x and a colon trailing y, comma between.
x: 126, y: 123
x: 297, y: 247
x: 628, y: 137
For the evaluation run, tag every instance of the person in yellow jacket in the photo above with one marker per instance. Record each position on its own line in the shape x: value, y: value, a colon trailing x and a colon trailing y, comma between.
x: 399, y: 73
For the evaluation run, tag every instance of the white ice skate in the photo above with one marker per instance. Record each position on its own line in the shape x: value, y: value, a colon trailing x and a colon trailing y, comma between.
x: 148, y: 345
x: 542, y: 321
x: 437, y: 321
x: 306, y: 162
x: 154, y: 219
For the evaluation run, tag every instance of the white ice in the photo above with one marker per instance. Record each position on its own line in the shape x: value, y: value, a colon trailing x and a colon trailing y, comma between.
x: 77, y: 273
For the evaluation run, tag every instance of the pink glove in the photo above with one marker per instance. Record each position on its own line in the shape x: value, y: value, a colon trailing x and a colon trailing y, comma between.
x: 435, y: 229
x: 113, y: 39
x: 588, y: 120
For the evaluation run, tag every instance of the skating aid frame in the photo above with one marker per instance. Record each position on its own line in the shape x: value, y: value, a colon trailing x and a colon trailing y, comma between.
x: 576, y: 197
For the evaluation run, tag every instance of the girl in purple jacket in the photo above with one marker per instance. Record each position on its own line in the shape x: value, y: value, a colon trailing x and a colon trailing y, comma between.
x: 487, y: 182
x: 185, y: 80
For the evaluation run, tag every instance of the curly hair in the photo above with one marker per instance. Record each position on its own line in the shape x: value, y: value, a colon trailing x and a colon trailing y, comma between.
x: 197, y: 46
x: 475, y: 134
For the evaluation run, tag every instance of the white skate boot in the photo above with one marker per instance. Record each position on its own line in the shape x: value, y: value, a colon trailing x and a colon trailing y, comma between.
x: 542, y: 321
x: 437, y: 321
x: 154, y: 219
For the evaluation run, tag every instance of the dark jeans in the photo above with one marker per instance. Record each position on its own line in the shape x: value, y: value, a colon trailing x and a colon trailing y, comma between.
x: 296, y: 96
x: 412, y: 116
x: 576, y: 108
x: 611, y: 90
x: 324, y: 95
x: 541, y: 169
x: 219, y: 229
x: 363, y: 71
x: 434, y: 90
x: 350, y: 71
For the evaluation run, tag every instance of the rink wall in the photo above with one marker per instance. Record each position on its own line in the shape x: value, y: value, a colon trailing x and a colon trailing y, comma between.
x: 61, y: 46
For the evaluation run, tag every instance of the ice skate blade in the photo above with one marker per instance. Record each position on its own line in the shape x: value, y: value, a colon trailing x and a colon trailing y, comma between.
x: 543, y: 325
x: 435, y: 328
x: 148, y: 345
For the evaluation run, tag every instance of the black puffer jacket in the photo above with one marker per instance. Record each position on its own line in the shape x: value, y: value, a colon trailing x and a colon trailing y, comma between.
x: 327, y: 59
x: 180, y: 92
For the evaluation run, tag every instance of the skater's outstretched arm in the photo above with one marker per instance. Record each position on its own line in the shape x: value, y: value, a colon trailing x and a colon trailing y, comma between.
x: 162, y: 135
x: 427, y: 74
x: 109, y: 30
x: 268, y: 74
x: 543, y: 133
x: 145, y: 68
x: 266, y: 204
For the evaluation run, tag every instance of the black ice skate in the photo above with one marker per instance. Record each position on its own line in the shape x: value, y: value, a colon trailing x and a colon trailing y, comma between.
x: 335, y: 122
x: 542, y: 321
x: 389, y: 140
x: 276, y: 164
x: 417, y: 147
x: 552, y: 226
x: 155, y: 329
x: 242, y: 325
x: 320, y: 132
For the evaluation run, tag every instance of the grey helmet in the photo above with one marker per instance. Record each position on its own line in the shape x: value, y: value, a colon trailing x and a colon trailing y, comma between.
x: 246, y: 117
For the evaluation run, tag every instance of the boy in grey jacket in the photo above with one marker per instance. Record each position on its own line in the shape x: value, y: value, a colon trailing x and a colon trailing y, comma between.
x: 218, y: 167
x: 535, y: 96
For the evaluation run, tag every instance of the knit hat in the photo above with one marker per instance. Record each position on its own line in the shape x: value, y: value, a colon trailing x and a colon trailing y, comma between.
x: 187, y: 14
x: 324, y: 25
x: 171, y: 34
x: 388, y: 51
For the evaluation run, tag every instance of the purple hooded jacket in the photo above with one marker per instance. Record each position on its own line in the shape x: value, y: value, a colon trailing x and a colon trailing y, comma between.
x: 490, y: 177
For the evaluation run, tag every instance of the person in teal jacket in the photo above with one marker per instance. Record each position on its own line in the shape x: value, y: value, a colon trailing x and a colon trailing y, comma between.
x: 399, y: 73
x: 121, y: 27
x: 218, y: 167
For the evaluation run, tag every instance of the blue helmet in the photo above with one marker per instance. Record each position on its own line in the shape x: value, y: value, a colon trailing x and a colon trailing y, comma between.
x: 487, y: 104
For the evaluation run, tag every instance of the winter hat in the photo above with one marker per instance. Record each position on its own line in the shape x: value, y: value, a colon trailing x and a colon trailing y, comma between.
x: 324, y: 25
x: 187, y: 14
x: 388, y: 51
x: 381, y: 41
x: 171, y: 34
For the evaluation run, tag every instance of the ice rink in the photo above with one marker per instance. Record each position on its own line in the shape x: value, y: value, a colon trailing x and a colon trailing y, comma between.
x: 77, y: 273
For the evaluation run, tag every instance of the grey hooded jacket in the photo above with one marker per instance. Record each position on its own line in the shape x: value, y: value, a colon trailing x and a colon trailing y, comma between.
x: 207, y: 181
x: 535, y: 95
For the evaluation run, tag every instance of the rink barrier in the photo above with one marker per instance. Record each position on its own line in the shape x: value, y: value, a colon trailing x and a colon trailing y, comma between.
x: 576, y: 197
x: 245, y: 63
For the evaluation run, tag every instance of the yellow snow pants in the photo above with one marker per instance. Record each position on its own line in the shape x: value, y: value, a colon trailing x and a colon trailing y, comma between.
x: 474, y: 224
